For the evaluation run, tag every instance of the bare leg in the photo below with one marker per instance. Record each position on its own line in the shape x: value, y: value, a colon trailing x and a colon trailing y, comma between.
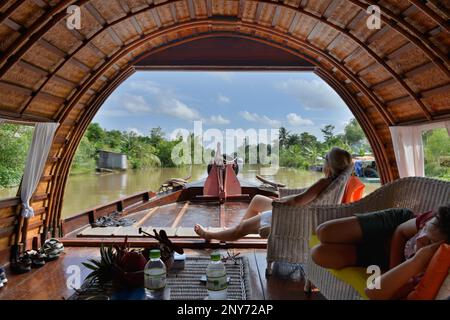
x: 334, y: 256
x: 340, y: 231
x: 244, y: 228
x: 258, y: 204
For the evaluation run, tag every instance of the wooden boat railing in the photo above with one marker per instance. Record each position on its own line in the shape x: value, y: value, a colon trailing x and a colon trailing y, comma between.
x: 126, y: 205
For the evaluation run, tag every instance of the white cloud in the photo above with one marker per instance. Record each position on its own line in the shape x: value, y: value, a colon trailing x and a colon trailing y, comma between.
x: 146, y: 86
x: 223, y: 99
x: 312, y: 94
x: 254, y: 117
x: 217, y: 120
x: 135, y: 104
x: 174, y: 107
x: 297, y: 120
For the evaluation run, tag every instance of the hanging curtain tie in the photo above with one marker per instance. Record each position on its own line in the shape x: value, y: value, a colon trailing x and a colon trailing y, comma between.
x: 27, y: 211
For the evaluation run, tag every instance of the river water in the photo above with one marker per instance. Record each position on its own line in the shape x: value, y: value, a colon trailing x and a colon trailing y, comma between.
x: 85, y: 191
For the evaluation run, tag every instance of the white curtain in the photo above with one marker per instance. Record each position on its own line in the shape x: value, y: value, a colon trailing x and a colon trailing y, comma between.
x: 37, y: 156
x: 408, y: 147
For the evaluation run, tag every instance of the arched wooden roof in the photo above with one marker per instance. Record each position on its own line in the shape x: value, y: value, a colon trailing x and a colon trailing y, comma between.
x: 396, y: 75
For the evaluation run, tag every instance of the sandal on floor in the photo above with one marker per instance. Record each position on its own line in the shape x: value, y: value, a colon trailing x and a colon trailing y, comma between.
x: 52, y: 249
x: 37, y: 258
x: 3, y: 279
x: 21, y: 264
x: 103, y: 222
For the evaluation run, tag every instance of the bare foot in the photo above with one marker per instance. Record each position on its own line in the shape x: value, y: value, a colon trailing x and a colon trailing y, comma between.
x: 202, y: 232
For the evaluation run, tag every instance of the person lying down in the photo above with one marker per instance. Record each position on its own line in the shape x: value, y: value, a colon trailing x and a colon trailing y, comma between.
x: 259, y: 214
x: 396, y: 240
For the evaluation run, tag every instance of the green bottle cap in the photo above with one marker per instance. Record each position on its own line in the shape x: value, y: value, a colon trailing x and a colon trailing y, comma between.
x: 155, y: 254
x: 215, y: 256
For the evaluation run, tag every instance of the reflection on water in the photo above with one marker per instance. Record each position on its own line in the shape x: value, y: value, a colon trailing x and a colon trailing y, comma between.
x: 85, y: 191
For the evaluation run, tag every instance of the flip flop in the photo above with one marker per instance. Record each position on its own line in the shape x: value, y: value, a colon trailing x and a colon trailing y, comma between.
x: 52, y: 249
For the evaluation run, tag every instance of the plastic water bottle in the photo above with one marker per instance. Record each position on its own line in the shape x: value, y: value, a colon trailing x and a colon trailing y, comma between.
x: 155, y: 276
x: 216, y: 278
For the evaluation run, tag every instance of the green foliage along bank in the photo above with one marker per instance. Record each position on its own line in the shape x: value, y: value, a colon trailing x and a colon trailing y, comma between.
x: 14, y: 143
x: 298, y: 150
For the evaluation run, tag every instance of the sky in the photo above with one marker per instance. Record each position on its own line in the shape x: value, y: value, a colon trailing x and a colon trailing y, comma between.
x: 299, y: 101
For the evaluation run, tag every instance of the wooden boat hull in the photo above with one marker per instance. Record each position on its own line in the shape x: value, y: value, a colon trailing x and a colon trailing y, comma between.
x: 176, y: 211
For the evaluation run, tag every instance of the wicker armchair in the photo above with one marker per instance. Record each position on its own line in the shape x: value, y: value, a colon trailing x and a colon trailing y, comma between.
x: 292, y: 226
x: 416, y: 193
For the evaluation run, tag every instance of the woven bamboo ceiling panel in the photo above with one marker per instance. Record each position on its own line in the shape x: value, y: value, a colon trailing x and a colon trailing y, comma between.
x: 397, y: 74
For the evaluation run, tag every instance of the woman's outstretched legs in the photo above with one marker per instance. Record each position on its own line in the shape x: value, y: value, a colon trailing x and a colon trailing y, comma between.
x: 245, y: 227
x: 258, y: 204
x: 338, y: 239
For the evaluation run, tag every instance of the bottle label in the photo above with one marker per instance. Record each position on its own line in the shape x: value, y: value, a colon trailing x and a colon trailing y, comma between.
x: 155, y: 281
x: 217, y: 283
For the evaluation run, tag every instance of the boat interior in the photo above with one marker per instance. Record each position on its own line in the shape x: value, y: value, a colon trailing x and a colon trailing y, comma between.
x: 392, y: 76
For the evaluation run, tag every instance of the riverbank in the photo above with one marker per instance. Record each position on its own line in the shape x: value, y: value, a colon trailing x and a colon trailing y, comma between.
x: 87, y: 190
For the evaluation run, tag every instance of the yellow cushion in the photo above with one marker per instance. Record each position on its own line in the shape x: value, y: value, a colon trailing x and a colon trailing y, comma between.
x: 354, y: 276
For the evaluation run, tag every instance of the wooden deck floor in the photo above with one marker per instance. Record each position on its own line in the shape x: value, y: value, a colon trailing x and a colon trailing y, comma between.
x: 49, y: 282
x: 178, y: 219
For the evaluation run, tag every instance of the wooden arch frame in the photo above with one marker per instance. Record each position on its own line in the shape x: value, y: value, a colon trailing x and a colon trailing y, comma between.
x: 65, y: 162
x: 371, y: 109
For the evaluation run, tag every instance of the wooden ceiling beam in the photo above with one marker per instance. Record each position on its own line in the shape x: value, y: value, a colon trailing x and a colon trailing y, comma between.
x: 32, y: 34
x: 94, y: 13
x: 191, y: 9
x: 332, y: 6
x: 173, y: 12
x: 52, y: 48
x: 102, y: 21
x: 65, y: 81
x: 14, y: 25
x: 424, y: 94
x: 356, y: 19
x: 276, y: 16
x: 272, y: 3
x: 435, y: 91
x: 294, y: 23
x: 50, y: 97
x: 419, y: 70
x: 16, y: 88
x: 431, y: 14
x: 14, y: 116
x: 41, y: 3
x: 209, y: 11
x: 33, y: 68
x: 124, y: 5
x: 5, y: 15
x: 360, y: 84
x: 156, y: 17
x: 259, y: 8
x: 411, y: 33
x: 241, y: 6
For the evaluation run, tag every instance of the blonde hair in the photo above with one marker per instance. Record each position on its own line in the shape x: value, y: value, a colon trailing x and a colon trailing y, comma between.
x: 338, y: 160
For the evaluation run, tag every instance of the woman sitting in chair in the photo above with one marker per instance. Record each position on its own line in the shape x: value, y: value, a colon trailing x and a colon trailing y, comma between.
x: 393, y: 239
x: 258, y: 214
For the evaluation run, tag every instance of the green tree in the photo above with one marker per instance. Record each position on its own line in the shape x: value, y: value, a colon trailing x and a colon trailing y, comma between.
x: 437, y: 153
x: 283, y: 136
x: 15, y: 142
